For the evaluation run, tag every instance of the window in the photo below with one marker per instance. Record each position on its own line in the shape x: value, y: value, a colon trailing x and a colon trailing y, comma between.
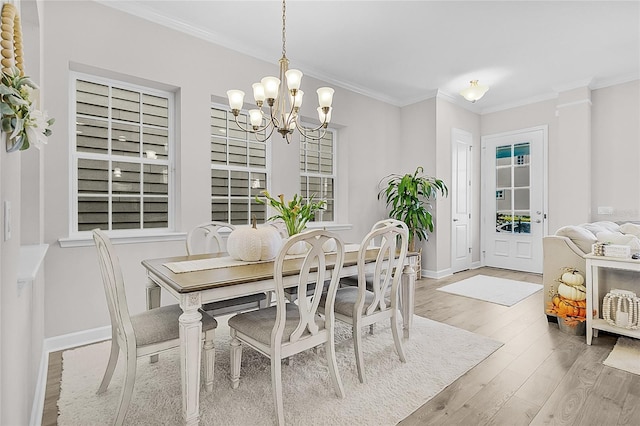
x: 318, y: 172
x: 122, y: 156
x: 238, y: 170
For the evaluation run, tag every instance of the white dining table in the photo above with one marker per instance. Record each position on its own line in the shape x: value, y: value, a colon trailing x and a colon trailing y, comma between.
x: 218, y: 277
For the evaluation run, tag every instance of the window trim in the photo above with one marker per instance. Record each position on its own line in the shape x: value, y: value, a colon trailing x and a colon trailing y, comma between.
x: 76, y: 237
x: 334, y: 176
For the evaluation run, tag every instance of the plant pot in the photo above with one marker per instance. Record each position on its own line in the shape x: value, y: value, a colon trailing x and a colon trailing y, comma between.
x: 579, y: 329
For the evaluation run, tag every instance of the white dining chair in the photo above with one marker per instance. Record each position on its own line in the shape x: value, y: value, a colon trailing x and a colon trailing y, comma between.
x: 376, y: 297
x: 148, y: 333
x: 207, y: 238
x: 286, y: 329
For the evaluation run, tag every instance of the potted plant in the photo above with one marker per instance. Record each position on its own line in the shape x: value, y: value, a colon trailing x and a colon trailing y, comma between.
x: 409, y: 197
x: 293, y: 213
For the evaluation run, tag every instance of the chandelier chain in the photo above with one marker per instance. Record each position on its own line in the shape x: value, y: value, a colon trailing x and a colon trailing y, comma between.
x: 284, y: 36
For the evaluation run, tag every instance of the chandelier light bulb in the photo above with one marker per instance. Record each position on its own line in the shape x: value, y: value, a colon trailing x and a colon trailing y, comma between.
x: 294, y: 79
x: 255, y: 116
x: 324, y: 117
x: 325, y: 96
x: 236, y: 99
x: 258, y: 93
x: 297, y: 99
x: 271, y: 86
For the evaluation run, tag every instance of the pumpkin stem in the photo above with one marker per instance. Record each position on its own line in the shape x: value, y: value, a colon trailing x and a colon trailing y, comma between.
x: 254, y: 221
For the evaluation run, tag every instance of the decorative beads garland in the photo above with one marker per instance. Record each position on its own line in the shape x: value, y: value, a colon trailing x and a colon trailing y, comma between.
x: 11, y: 39
x: 624, y: 302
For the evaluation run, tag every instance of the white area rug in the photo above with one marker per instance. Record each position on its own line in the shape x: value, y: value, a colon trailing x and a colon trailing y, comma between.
x: 625, y: 355
x: 491, y: 289
x: 437, y: 354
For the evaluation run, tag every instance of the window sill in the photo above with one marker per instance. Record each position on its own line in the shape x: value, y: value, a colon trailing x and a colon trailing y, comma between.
x: 85, y: 240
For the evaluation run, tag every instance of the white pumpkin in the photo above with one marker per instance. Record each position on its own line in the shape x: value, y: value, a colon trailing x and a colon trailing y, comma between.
x: 578, y: 292
x: 254, y: 243
x: 572, y: 277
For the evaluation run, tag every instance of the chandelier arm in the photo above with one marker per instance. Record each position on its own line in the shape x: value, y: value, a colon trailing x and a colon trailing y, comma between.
x: 252, y: 130
x: 305, y: 131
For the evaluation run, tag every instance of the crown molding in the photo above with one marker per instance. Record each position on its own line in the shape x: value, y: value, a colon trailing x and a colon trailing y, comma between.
x: 572, y: 85
x: 522, y: 102
x: 601, y: 83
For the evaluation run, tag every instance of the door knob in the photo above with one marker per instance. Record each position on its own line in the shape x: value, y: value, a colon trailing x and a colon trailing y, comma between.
x: 538, y: 221
x: 455, y: 220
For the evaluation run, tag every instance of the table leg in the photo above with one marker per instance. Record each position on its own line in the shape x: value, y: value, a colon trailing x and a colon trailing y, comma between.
x: 190, y: 356
x: 153, y: 301
x: 408, y: 290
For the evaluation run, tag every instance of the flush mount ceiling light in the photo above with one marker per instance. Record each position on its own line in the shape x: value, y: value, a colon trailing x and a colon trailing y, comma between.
x: 474, y: 91
x: 284, y: 102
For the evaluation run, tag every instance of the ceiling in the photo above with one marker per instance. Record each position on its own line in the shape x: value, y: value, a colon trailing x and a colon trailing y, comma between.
x: 402, y: 52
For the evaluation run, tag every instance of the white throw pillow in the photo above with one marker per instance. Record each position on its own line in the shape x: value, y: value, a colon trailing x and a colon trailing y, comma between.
x: 630, y: 228
x: 594, y: 228
x: 608, y: 225
x: 580, y: 236
x: 620, y: 239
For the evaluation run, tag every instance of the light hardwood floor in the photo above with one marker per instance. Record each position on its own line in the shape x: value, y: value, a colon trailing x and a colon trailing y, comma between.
x: 539, y: 376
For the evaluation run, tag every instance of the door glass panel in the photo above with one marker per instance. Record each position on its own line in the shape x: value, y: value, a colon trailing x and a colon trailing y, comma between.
x: 513, y: 177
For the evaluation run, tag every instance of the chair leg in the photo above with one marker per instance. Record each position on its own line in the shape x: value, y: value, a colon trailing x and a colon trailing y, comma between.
x: 357, y: 347
x: 333, y: 366
x: 111, y: 366
x: 209, y: 359
x: 267, y: 301
x: 276, y: 385
x: 235, y: 359
x: 395, y: 329
x: 127, y: 389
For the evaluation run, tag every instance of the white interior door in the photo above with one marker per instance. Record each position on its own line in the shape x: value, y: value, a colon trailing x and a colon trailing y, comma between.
x: 460, y: 193
x: 513, y: 198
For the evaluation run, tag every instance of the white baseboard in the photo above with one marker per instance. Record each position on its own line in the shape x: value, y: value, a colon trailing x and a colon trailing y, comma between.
x: 79, y: 338
x: 476, y: 265
x: 436, y: 274
x: 59, y: 343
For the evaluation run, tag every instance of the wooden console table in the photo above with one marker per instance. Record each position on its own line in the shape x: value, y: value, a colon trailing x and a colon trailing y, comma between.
x: 594, y: 317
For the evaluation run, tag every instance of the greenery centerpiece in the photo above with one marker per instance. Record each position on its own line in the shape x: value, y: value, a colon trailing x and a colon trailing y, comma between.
x: 21, y: 121
x: 294, y: 213
x: 409, y: 197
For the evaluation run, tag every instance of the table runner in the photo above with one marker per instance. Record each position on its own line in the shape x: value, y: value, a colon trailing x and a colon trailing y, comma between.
x: 227, y: 261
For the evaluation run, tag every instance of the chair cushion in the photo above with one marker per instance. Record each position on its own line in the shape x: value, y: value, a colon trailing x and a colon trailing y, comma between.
x: 161, y: 324
x: 259, y: 324
x: 346, y: 298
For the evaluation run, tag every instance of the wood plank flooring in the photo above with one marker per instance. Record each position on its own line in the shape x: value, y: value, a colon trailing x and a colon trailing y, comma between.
x: 540, y: 376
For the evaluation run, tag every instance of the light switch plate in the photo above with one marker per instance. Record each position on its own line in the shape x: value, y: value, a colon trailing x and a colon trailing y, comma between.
x: 605, y: 210
x: 7, y: 220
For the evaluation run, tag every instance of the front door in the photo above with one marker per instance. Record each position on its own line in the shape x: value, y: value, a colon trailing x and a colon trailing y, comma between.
x: 513, y: 222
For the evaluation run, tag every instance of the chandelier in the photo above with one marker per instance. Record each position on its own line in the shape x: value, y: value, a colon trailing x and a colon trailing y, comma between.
x: 474, y: 92
x: 284, y: 102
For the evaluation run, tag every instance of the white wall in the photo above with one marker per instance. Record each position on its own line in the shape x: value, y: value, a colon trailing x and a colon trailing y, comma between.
x: 615, y: 141
x: 80, y: 35
x: 22, y: 312
x: 601, y: 147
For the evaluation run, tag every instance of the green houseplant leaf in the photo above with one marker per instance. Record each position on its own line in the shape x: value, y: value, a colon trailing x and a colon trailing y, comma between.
x: 409, y: 198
